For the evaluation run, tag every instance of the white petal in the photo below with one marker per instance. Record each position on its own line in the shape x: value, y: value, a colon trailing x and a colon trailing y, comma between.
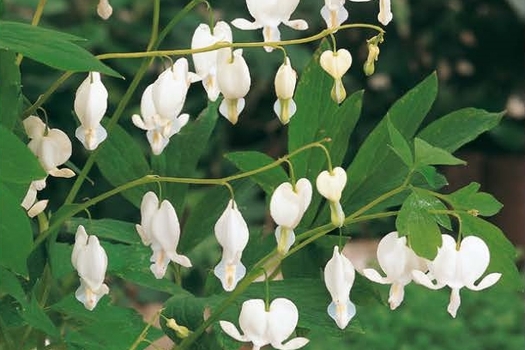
x: 374, y: 276
x: 64, y: 172
x: 170, y: 89
x: 396, y: 295
x: 331, y: 185
x: 88, y: 296
x: 254, y: 321
x: 81, y: 239
x: 285, y: 239
x: 91, y: 101
x: 231, y: 108
x: 385, y: 13
x: 229, y: 273
x: 104, y: 9
x: 230, y: 329
x: 341, y: 312
x: 288, y: 206
x: 285, y: 81
x: 455, y: 302
x: 285, y: 110
x: 297, y: 24
x: 486, y: 282
x: 34, y: 127
x: 334, y: 17
x: 37, y: 208
x: 92, y: 263
x: 443, y: 267
x: 339, y: 275
x: 30, y: 197
x: 148, y: 207
x: 244, y: 24
x: 473, y: 259
x: 423, y: 279
x: 233, y: 74
x: 282, y: 320
x: 294, y: 343
x: 157, y: 141
x: 336, y: 63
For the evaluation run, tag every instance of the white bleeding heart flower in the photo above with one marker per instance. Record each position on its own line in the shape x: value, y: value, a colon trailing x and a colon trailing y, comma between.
x: 263, y: 327
x: 232, y: 234
x: 269, y: 15
x: 160, y: 228
x: 91, y: 103
x: 52, y: 147
x: 458, y: 266
x: 162, y: 103
x: 330, y: 185
x: 385, y: 12
x: 397, y: 261
x: 334, y: 13
x: 287, y: 207
x: 206, y: 62
x: 104, y: 9
x: 90, y: 260
x: 285, y: 81
x: 336, y: 64
x: 233, y: 78
x: 339, y: 276
x: 30, y: 202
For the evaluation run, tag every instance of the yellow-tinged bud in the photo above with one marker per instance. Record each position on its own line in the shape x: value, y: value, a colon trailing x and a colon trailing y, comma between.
x: 181, y: 331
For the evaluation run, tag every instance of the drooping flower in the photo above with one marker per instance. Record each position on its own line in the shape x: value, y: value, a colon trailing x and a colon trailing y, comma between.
x: 206, y: 62
x: 336, y: 64
x: 458, y: 266
x: 91, y: 102
x: 285, y: 81
x: 339, y: 275
x: 334, y: 13
x: 162, y: 103
x: 269, y: 15
x: 159, y: 227
x: 232, y: 234
x: 385, y: 12
x: 398, y: 261
x: 90, y: 261
x: 233, y: 78
x: 287, y: 207
x: 52, y: 147
x: 330, y: 185
x: 104, y: 9
x: 263, y: 327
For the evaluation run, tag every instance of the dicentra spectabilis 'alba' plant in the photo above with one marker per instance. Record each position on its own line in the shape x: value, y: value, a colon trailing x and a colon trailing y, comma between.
x: 330, y: 185
x: 161, y: 104
x: 104, y: 9
x: 334, y: 13
x: 339, y: 276
x: 233, y: 77
x: 268, y: 15
x: 52, y: 147
x: 263, y: 327
x: 90, y: 261
x: 232, y: 234
x: 206, y: 62
x: 287, y: 207
x: 336, y: 64
x: 91, y: 102
x: 159, y: 227
x: 458, y: 266
x: 398, y: 261
x: 285, y: 81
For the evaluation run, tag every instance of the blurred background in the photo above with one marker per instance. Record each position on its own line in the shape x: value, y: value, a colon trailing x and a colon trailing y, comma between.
x: 477, y: 48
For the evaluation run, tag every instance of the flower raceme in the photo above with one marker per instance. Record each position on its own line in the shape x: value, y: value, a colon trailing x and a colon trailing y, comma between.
x: 398, y: 261
x: 233, y: 78
x: 330, y: 185
x: 287, y: 207
x: 162, y: 103
x: 206, y: 62
x: 263, y: 326
x: 285, y: 81
x: 269, y: 15
x: 91, y: 103
x: 458, y: 265
x: 232, y: 234
x: 336, y: 63
x: 90, y: 261
x: 339, y: 275
x: 159, y: 227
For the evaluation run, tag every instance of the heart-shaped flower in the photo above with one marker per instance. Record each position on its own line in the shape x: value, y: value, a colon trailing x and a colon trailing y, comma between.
x: 336, y: 63
x: 331, y: 184
x: 458, y: 267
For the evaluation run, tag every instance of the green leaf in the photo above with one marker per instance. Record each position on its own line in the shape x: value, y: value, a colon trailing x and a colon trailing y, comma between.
x: 427, y: 154
x: 10, y: 284
x: 121, y: 160
x: 415, y: 221
x: 10, y: 90
x: 110, y: 229
x: 36, y: 317
x: 16, y: 236
x: 181, y: 156
x: 106, y: 327
x: 432, y: 203
x: 19, y: 164
x: 366, y: 180
x: 503, y: 254
x: 430, y: 174
x: 399, y: 145
x: 250, y: 160
x: 50, y: 47
x: 468, y: 198
x: 453, y: 130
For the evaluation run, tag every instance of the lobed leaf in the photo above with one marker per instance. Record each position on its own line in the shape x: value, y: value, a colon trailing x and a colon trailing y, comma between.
x: 468, y: 198
x: 426, y: 154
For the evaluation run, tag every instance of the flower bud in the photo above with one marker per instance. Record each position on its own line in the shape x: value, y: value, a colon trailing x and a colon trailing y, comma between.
x: 285, y: 81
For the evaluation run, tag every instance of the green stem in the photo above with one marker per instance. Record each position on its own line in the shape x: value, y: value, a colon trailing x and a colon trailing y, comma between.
x: 224, y: 44
x: 45, y: 96
x: 36, y: 19
x: 142, y: 335
x: 153, y: 178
